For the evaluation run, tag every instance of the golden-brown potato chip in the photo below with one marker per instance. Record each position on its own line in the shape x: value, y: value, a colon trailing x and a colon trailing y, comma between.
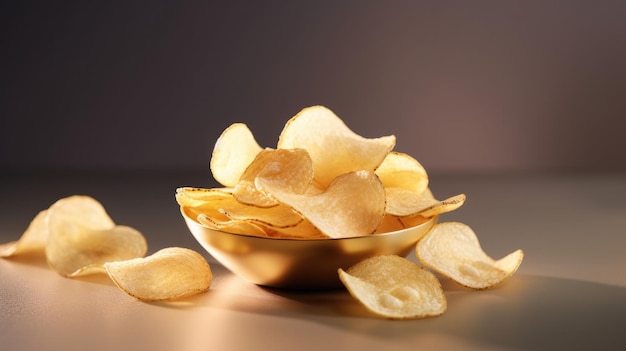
x: 452, y: 249
x: 279, y: 216
x: 32, y: 241
x: 235, y: 226
x: 224, y: 208
x: 334, y: 148
x: 291, y: 169
x: 443, y: 206
x: 72, y: 247
x: 399, y: 170
x: 167, y: 274
x: 210, y: 211
x: 352, y: 205
x: 81, y: 234
x: 303, y: 230
x: 82, y: 210
x: 194, y: 197
x: 207, y: 202
x: 393, y: 287
x: 405, y: 202
x: 233, y: 152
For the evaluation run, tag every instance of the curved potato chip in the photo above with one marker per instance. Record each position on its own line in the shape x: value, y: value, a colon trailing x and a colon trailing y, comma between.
x: 211, y: 213
x: 167, y: 274
x: 405, y: 202
x: 235, y: 226
x: 82, y: 234
x: 224, y: 208
x: 352, y: 205
x: 82, y: 210
x: 291, y: 169
x: 72, y: 247
x: 279, y: 216
x: 94, y: 268
x: 303, y: 230
x: 192, y: 197
x: 203, y: 193
x: 393, y: 287
x: 233, y: 151
x: 33, y: 240
x: 334, y: 148
x: 452, y: 249
x: 198, y: 201
x: 399, y: 170
x: 406, y: 184
x: 443, y: 206
x: 212, y: 217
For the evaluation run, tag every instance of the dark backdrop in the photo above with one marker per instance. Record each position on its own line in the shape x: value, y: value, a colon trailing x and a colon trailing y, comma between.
x: 466, y: 86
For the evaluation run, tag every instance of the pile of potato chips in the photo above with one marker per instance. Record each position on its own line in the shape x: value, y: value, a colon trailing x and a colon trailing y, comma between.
x: 325, y: 181
x: 78, y: 238
x: 322, y: 181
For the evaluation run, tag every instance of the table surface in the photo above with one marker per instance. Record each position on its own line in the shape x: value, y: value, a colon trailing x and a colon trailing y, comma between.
x: 569, y: 293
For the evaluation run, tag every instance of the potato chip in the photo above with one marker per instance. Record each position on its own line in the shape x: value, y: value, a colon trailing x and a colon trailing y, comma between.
x: 73, y: 247
x: 399, y: 170
x: 452, y: 249
x: 334, y: 148
x: 235, y: 226
x: 303, y: 230
x: 223, y: 208
x: 443, y: 206
x: 405, y: 202
x: 166, y: 275
x: 211, y: 212
x: 82, y: 210
x: 352, y: 205
x: 32, y: 241
x: 232, y: 153
x: 279, y: 216
x: 193, y: 197
x: 406, y: 185
x: 207, y: 202
x: 290, y: 169
x: 82, y: 234
x: 393, y: 287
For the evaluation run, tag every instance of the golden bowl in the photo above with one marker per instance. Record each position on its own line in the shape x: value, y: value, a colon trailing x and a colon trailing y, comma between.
x: 299, y: 263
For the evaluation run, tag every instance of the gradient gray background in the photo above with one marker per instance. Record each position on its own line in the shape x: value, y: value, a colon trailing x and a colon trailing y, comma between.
x: 466, y: 86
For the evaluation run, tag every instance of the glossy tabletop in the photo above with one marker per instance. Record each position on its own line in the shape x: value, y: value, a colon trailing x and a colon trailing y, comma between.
x: 569, y: 293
